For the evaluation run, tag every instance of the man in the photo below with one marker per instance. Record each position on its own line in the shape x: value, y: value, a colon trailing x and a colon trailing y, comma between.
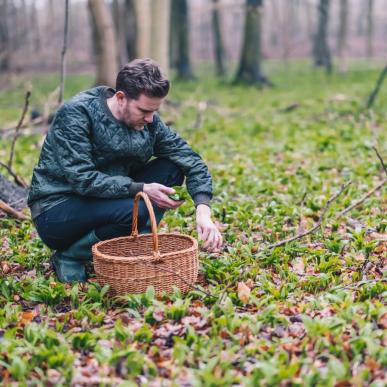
x: 95, y: 159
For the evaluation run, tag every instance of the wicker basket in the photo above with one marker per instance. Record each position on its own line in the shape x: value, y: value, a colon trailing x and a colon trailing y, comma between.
x: 130, y: 264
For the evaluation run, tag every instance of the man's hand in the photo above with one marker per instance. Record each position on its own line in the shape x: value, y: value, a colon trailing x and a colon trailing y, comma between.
x: 207, y: 230
x: 158, y: 194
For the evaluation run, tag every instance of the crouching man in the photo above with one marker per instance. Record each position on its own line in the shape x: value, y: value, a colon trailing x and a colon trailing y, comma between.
x: 96, y: 157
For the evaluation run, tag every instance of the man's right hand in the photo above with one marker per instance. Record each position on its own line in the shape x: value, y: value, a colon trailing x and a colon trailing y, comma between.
x: 158, y: 194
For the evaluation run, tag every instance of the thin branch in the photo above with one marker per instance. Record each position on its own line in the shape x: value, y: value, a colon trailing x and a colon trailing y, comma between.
x: 318, y: 224
x: 373, y: 95
x: 381, y: 159
x: 367, y: 195
x: 12, y: 212
x: 18, y: 179
x: 63, y: 58
x: 16, y: 135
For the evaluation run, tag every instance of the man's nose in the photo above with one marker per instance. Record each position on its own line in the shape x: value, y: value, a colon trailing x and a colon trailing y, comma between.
x: 149, y: 118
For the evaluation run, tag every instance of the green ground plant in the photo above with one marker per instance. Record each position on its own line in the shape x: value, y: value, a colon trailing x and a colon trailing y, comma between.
x: 311, y: 312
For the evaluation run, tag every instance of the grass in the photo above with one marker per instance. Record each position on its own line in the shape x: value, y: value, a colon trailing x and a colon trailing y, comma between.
x: 314, y: 313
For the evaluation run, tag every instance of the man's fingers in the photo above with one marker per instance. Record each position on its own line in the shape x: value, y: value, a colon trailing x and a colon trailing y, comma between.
x: 204, y: 234
x: 167, y: 190
x: 210, y: 239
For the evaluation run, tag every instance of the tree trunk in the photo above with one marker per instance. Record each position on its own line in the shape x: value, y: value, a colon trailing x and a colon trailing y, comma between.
x: 218, y: 42
x: 370, y: 29
x: 105, y: 42
x: 173, y: 36
x: 161, y: 12
x: 118, y: 17
x: 183, y: 63
x: 342, y: 36
x: 143, y: 12
x: 321, y: 52
x: 130, y: 26
x: 35, y: 30
x: 250, y: 64
x: 5, y: 52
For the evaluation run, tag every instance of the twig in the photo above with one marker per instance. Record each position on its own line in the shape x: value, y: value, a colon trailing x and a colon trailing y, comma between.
x: 18, y: 179
x: 318, y: 224
x: 62, y: 66
x: 361, y: 283
x: 367, y: 195
x: 16, y: 135
x: 10, y: 211
x: 371, y: 98
x: 301, y: 204
x: 365, y: 266
x: 381, y: 159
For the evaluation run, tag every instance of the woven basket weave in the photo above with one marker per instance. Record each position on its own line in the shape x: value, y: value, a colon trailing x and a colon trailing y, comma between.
x: 130, y: 264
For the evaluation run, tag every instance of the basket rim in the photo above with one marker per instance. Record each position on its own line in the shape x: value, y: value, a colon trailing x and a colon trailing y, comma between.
x: 99, y: 255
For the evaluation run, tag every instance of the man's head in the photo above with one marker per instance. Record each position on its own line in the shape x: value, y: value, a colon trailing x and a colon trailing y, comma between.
x: 140, y: 90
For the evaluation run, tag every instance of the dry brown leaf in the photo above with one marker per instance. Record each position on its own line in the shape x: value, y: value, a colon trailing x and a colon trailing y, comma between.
x: 383, y: 321
x: 243, y: 292
x: 298, y: 266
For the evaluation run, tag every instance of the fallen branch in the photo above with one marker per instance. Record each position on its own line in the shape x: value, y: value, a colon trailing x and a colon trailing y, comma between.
x: 367, y: 195
x: 12, y: 212
x: 372, y: 97
x: 16, y: 135
x: 381, y: 159
x: 18, y: 179
x: 318, y: 224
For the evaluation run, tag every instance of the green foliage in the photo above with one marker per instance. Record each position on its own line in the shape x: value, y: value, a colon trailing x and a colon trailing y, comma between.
x: 314, y: 314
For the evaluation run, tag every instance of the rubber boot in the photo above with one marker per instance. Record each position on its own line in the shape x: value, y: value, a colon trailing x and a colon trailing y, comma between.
x: 70, y: 264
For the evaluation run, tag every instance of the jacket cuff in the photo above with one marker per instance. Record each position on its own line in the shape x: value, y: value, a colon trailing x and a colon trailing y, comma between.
x: 134, y: 188
x: 202, y: 198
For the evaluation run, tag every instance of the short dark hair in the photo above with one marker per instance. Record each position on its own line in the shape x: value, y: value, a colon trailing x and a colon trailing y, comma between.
x: 142, y: 76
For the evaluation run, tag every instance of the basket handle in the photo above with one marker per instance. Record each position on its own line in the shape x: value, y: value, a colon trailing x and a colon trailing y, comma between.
x: 156, y: 252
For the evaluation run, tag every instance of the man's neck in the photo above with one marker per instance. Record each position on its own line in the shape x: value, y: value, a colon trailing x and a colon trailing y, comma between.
x: 112, y: 105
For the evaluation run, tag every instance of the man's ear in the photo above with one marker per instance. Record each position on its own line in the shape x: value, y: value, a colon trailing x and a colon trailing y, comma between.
x: 121, y: 97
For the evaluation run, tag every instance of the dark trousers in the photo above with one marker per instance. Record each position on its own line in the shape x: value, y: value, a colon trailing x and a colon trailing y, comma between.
x: 67, y: 222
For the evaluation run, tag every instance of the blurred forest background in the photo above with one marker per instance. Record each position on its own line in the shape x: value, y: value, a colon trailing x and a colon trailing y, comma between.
x: 185, y: 36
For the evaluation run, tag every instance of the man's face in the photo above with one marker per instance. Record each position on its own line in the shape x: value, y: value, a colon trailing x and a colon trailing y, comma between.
x: 138, y: 112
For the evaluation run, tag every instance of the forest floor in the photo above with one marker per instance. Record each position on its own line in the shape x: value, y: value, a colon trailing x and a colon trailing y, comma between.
x: 311, y: 312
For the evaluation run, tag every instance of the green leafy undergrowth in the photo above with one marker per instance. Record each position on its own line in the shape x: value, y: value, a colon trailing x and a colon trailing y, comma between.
x: 310, y: 312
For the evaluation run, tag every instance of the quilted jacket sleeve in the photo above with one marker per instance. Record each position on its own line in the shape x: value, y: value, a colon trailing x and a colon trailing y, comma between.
x: 171, y: 146
x: 71, y: 134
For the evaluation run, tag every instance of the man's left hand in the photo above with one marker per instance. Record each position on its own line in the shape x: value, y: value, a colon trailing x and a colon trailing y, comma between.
x: 207, y: 230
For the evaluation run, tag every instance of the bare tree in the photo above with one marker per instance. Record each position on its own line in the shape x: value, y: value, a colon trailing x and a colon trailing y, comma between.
x: 250, y: 64
x: 342, y: 36
x: 105, y: 42
x: 160, y: 19
x: 218, y: 42
x: 370, y: 28
x: 5, y: 52
x: 124, y: 15
x: 321, y: 52
x: 119, y: 27
x: 143, y: 12
x: 183, y: 63
x: 130, y: 26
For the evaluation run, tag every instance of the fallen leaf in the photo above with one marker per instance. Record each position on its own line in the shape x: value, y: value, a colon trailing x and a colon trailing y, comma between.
x: 383, y: 321
x: 243, y: 292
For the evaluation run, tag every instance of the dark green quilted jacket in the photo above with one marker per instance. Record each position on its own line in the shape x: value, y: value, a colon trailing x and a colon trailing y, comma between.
x: 88, y: 152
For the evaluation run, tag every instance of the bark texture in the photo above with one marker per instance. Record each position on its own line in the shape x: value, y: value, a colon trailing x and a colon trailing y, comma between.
x: 218, y: 42
x: 321, y: 51
x: 105, y: 42
x: 250, y: 64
